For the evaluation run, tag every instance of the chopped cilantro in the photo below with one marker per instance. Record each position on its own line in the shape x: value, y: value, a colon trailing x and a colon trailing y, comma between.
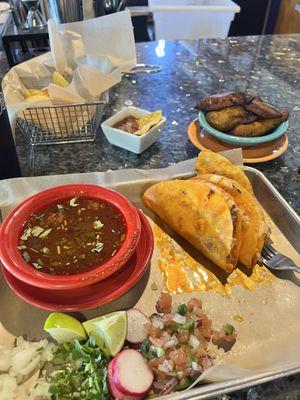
x: 83, y: 374
x: 145, y: 346
x: 189, y: 326
x: 191, y: 359
x: 145, y: 349
x: 23, y: 247
x: 36, y: 231
x: 45, y: 250
x: 98, y: 224
x: 73, y: 202
x: 46, y: 233
x: 39, y: 264
x: 182, y: 309
x: 159, y: 351
x: 26, y: 256
x: 98, y: 248
x: 26, y: 234
x: 228, y: 329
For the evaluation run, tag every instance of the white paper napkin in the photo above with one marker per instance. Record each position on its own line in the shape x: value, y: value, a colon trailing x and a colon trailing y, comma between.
x: 92, y: 53
x: 94, y: 41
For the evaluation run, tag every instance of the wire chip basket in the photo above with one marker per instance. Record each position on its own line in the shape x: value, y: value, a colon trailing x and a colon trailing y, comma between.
x: 72, y: 123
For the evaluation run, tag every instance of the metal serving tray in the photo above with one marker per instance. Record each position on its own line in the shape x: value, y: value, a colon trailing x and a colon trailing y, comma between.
x: 23, y: 319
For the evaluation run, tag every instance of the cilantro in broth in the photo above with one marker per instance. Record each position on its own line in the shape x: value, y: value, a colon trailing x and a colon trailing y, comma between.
x: 72, y: 236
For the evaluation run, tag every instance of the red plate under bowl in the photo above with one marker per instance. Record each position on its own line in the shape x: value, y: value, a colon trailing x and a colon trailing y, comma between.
x: 94, y: 295
x: 12, y: 226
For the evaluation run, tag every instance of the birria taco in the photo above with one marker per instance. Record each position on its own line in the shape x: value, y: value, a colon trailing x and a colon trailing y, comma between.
x: 203, y: 214
x: 212, y: 163
x: 254, y: 228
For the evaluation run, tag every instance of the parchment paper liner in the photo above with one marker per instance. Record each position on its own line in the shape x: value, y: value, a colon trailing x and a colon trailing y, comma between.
x: 268, y: 337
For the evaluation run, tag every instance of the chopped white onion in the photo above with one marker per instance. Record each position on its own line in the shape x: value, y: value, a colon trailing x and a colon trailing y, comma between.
x: 157, y: 323
x: 163, y: 368
x: 5, y: 360
x: 169, y: 365
x: 175, y: 340
x: 195, y: 366
x: 169, y: 343
x: 18, y: 364
x: 179, y: 319
x: 194, y: 342
x: 8, y: 387
x: 166, y: 336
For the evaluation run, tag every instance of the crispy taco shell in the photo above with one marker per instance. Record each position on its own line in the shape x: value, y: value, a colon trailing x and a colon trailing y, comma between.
x: 254, y: 228
x: 201, y: 213
x: 213, y: 163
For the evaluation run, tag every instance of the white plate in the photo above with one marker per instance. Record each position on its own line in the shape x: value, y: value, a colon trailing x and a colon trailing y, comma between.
x: 129, y: 141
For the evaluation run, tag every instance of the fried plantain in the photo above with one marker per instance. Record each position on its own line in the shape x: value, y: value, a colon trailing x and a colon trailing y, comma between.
x: 262, y: 110
x: 219, y: 101
x: 226, y: 119
x: 259, y: 128
x: 249, y: 118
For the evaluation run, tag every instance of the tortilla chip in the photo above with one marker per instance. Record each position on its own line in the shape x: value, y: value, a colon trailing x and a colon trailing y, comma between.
x: 254, y: 228
x: 202, y: 214
x: 33, y: 92
x: 45, y: 90
x: 38, y: 97
x: 213, y: 163
x: 59, y: 80
x: 148, y: 121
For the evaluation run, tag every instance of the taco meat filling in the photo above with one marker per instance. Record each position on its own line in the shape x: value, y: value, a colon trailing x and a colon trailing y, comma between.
x: 234, y: 218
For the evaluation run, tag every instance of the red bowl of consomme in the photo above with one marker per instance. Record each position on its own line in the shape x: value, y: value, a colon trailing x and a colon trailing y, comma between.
x: 69, y: 236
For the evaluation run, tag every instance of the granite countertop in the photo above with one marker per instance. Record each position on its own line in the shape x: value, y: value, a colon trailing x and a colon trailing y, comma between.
x: 267, y: 66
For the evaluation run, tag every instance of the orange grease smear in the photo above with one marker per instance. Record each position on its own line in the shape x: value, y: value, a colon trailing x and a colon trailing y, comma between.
x: 182, y: 274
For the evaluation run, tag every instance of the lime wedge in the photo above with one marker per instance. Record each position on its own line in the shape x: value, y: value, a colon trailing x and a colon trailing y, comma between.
x: 63, y: 328
x: 109, y: 331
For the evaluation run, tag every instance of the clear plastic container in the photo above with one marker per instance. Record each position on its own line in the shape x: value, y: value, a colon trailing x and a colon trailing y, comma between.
x: 192, y: 19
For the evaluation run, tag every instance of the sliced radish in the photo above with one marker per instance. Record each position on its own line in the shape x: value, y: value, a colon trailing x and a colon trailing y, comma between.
x: 117, y: 394
x: 131, y: 373
x: 136, y: 321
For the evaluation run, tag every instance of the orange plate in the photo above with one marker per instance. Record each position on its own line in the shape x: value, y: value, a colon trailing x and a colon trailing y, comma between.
x: 255, y: 154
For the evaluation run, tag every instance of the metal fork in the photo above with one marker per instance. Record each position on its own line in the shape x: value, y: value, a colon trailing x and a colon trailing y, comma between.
x: 276, y: 260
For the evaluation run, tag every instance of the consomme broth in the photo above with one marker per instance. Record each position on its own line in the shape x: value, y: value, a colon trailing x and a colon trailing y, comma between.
x: 72, y: 237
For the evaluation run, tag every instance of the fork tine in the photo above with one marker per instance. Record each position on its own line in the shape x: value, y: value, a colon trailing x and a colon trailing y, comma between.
x: 265, y: 254
x: 270, y: 249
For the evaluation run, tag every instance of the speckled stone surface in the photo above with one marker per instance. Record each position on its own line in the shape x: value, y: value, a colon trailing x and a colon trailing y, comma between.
x: 267, y: 66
